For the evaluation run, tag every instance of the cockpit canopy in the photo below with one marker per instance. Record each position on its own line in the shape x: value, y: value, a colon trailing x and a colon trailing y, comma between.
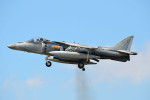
x: 37, y: 40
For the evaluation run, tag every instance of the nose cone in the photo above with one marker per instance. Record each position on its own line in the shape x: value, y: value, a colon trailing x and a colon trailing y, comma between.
x: 28, y: 47
x: 16, y: 46
x: 12, y: 46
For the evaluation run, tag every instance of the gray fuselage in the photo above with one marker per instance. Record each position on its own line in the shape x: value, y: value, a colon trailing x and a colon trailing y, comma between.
x: 44, y: 47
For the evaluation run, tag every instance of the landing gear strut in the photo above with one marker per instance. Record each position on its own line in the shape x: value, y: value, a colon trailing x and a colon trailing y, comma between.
x: 48, y: 63
x: 81, y: 66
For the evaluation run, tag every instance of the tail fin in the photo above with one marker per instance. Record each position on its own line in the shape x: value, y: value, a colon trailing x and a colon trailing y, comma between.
x: 125, y: 44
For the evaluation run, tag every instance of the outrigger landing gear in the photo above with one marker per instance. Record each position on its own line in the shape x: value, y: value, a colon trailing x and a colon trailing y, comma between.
x: 81, y: 66
x: 48, y: 63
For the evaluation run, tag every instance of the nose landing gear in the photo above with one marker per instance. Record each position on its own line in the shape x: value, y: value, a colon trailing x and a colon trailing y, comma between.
x: 48, y: 63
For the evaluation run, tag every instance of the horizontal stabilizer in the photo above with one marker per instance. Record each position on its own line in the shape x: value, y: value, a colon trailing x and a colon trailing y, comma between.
x: 127, y: 52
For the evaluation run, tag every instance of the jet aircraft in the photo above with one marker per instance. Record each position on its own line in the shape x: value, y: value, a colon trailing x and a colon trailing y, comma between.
x: 73, y: 53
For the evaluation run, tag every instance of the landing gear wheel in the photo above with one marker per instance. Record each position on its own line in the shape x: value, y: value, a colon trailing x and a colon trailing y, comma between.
x: 83, y: 69
x: 48, y: 63
x: 80, y: 65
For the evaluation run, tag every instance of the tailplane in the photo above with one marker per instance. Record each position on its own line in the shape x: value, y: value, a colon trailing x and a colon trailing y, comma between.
x: 125, y: 44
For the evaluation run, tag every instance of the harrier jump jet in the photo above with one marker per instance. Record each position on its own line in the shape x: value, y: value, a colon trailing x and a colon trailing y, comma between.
x: 73, y: 53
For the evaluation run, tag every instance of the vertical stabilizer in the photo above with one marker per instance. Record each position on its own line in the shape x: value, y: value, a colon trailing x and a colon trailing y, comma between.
x: 125, y: 44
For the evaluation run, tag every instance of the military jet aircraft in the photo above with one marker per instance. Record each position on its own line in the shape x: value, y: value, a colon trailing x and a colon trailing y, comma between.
x: 73, y: 53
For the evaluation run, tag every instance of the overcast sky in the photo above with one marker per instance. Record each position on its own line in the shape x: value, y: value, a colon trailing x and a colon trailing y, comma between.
x: 24, y: 76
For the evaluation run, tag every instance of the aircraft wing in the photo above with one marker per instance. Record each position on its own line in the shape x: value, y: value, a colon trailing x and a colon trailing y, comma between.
x: 127, y: 52
x: 76, y: 45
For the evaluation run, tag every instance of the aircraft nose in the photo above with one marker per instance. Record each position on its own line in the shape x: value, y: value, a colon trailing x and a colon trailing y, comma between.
x: 12, y: 46
x: 22, y: 46
x: 16, y: 46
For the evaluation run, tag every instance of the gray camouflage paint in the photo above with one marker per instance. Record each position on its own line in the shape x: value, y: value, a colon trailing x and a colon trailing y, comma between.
x: 43, y: 46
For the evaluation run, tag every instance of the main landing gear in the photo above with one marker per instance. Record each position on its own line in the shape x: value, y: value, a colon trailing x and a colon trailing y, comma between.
x: 48, y: 63
x: 80, y: 63
x: 81, y: 66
